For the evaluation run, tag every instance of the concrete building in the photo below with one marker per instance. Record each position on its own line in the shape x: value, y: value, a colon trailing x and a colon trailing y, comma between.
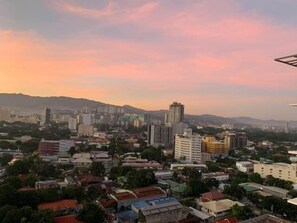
x: 85, y: 130
x: 45, y: 117
x: 188, y: 146
x: 235, y: 140
x: 86, y: 119
x: 180, y: 166
x: 104, y: 158
x: 282, y: 171
x: 65, y: 145
x: 176, y: 113
x: 5, y: 114
x: 160, y: 135
x: 48, y: 147
x: 205, y: 157
x: 140, y: 163
x: 220, y: 208
x: 213, y: 147
x: 163, y: 210
x: 245, y: 166
x: 72, y: 124
x: 219, y: 176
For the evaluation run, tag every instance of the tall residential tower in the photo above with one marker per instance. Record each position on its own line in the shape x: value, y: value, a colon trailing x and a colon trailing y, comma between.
x: 176, y: 113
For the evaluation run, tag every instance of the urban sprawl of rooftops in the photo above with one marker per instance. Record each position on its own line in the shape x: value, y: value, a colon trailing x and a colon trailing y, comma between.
x: 106, y: 165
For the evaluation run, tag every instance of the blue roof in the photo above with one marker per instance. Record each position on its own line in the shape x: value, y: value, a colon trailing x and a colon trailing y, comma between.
x: 127, y: 215
x: 162, y: 201
x: 140, y: 204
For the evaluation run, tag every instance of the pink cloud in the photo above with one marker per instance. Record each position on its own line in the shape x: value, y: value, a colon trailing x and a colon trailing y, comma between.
x: 195, y: 49
x: 112, y: 11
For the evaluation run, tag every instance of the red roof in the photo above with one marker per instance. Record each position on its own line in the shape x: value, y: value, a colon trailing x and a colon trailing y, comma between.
x: 124, y: 196
x: 148, y: 192
x: 228, y: 220
x: 107, y: 202
x: 59, y: 205
x: 67, y: 219
x: 212, y: 196
x: 25, y: 189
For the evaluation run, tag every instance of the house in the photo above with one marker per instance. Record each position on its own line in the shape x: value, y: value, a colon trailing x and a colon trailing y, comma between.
x: 63, y: 206
x: 125, y: 198
x: 86, y: 180
x: 46, y: 184
x: 160, y: 210
x: 211, y: 196
x: 219, y: 176
x: 220, y: 208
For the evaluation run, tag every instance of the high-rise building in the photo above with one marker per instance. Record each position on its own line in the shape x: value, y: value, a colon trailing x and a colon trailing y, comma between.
x: 188, y: 146
x: 87, y: 119
x: 214, y: 147
x: 72, y: 124
x: 45, y: 116
x: 85, y: 130
x: 160, y: 135
x: 235, y: 140
x: 176, y: 113
x: 4, y: 114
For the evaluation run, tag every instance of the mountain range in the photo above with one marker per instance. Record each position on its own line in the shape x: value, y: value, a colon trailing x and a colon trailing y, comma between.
x: 33, y: 104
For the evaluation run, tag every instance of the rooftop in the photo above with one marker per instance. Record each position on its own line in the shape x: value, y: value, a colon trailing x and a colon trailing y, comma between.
x: 67, y: 219
x: 148, y: 192
x: 293, y: 201
x: 59, y: 205
x: 220, y: 206
x: 214, y: 195
x: 124, y: 196
x: 267, y: 218
x: 228, y: 220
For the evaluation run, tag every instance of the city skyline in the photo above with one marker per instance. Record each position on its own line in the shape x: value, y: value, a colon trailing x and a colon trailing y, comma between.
x: 215, y: 58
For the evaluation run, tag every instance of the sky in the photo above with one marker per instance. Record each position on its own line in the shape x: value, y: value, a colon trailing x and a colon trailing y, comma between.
x: 214, y: 56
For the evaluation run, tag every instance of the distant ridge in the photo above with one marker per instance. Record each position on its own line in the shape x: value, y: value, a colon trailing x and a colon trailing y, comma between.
x: 33, y: 104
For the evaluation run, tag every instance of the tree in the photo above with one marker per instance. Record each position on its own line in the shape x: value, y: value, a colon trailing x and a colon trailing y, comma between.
x: 241, y: 213
x: 74, y: 192
x: 235, y: 191
x: 8, y: 195
x: 196, y: 187
x: 13, y: 181
x: 152, y: 153
x: 72, y: 151
x: 97, y: 169
x: 141, y: 178
x: 211, y: 182
x: 18, y: 167
x: 5, y: 159
x: 255, y: 177
x: 91, y: 213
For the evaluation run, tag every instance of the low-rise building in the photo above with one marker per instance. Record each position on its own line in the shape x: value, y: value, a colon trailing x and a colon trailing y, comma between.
x: 245, y: 166
x: 220, y: 208
x: 159, y: 210
x: 180, y: 166
x: 46, y: 184
x: 282, y: 171
x: 219, y: 176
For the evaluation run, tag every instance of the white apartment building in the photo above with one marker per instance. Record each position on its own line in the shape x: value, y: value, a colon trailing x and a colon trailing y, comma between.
x: 245, y: 166
x: 85, y: 130
x: 282, y: 171
x: 188, y: 146
x: 72, y: 124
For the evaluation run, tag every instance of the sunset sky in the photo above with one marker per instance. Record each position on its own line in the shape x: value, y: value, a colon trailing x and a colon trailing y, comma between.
x: 214, y: 56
